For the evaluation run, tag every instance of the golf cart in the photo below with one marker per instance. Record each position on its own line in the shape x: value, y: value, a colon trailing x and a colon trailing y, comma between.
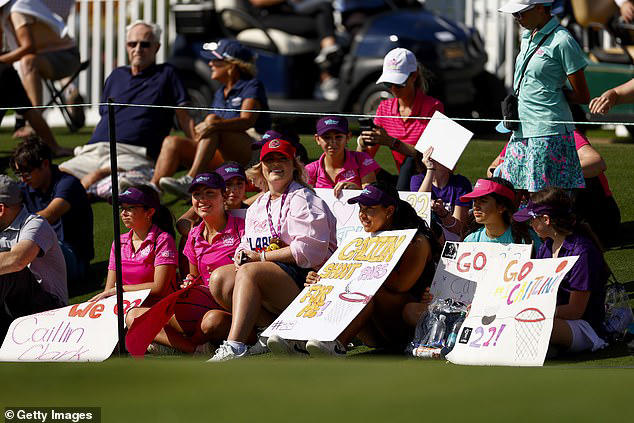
x: 452, y: 52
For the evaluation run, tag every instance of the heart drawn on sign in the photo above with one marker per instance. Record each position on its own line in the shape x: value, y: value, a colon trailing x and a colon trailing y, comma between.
x: 343, y: 213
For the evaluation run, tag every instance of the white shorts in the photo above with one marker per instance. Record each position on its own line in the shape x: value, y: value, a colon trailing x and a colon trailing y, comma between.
x: 584, y: 337
x: 92, y: 157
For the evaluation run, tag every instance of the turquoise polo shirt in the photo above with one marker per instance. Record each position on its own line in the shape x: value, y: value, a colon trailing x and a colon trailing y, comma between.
x: 541, y: 97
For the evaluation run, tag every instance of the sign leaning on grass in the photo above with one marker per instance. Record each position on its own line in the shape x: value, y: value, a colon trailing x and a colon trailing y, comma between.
x: 511, y: 317
x: 347, y: 215
x: 349, y: 280
x: 463, y: 265
x: 79, y: 332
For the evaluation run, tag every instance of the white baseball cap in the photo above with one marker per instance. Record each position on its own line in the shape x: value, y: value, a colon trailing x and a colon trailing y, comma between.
x: 398, y: 64
x: 3, y: 2
x: 516, y: 6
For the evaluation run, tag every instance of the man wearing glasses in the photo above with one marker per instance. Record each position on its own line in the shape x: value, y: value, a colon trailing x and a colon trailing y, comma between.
x: 32, y: 269
x: 140, y: 130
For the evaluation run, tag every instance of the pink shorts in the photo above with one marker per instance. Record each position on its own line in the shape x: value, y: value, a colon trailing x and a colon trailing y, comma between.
x: 192, y: 307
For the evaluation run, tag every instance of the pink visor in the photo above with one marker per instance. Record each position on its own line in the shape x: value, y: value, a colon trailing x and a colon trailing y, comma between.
x: 485, y: 187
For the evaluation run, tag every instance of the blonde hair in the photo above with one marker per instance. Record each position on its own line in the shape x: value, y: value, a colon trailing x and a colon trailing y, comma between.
x: 422, y: 78
x: 254, y: 173
x: 247, y: 70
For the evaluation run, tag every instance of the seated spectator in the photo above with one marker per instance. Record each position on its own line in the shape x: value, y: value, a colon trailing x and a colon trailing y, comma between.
x: 13, y: 95
x: 148, y: 253
x: 308, y: 19
x: 339, y: 168
x: 229, y: 132
x: 140, y: 130
x: 288, y: 231
x: 32, y: 270
x: 60, y: 199
x: 39, y: 41
x: 626, y: 9
x: 595, y: 203
x: 446, y: 189
x: 579, y: 315
x: 234, y: 196
x: 381, y: 322
x: 494, y: 202
x: 404, y: 77
x: 198, y: 319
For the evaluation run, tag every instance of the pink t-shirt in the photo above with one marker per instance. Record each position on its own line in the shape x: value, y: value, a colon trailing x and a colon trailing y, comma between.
x: 356, y: 166
x: 407, y: 130
x: 157, y: 249
x: 207, y: 257
x: 306, y: 224
x: 580, y: 141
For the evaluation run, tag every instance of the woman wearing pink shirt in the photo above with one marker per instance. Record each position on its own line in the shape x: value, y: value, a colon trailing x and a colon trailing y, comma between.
x: 289, y: 231
x: 148, y: 252
x: 339, y: 168
x: 198, y: 319
x: 403, y: 76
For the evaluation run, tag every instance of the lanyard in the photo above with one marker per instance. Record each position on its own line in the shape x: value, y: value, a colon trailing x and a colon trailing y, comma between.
x: 275, y: 234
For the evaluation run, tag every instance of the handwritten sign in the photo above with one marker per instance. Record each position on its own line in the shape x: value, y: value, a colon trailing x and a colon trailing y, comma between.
x: 347, y: 215
x: 79, y: 332
x: 448, y: 138
x: 349, y: 280
x: 511, y: 316
x: 463, y: 265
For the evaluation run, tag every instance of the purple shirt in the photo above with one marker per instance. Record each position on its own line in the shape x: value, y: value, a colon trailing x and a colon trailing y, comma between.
x: 356, y: 166
x: 456, y: 187
x: 588, y: 274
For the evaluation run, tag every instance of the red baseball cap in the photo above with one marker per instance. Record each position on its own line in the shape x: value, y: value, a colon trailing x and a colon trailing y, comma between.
x: 485, y: 187
x: 278, y: 146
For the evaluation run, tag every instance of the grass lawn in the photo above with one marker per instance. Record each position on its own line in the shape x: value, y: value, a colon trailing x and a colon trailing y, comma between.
x: 362, y: 387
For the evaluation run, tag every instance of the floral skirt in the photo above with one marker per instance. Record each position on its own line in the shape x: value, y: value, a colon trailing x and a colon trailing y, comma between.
x: 537, y: 163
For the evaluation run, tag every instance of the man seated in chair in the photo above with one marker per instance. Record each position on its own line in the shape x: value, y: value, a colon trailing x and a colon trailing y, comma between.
x: 32, y: 269
x: 140, y: 130
x: 37, y: 39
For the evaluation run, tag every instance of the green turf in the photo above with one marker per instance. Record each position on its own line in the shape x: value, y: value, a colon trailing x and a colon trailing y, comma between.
x: 364, y: 386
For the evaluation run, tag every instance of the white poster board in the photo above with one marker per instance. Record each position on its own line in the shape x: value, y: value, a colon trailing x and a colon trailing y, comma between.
x: 511, y: 317
x: 79, y: 332
x: 349, y: 279
x: 347, y: 215
x: 463, y: 265
x: 448, y: 138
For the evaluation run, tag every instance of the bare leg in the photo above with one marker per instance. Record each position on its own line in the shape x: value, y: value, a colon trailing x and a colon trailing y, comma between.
x: 42, y: 129
x: 33, y: 68
x: 262, y: 291
x: 175, y: 151
x: 234, y: 146
x: 213, y: 328
x: 562, y: 334
x: 93, y: 177
x: 221, y: 285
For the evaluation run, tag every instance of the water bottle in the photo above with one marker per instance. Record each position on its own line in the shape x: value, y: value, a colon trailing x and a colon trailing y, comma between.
x: 437, y: 332
x: 453, y: 335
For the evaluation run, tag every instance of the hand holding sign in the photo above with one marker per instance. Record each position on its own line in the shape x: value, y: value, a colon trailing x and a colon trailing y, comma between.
x: 447, y: 138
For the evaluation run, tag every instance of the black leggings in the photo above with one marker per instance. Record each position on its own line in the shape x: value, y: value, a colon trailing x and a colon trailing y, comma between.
x: 316, y: 22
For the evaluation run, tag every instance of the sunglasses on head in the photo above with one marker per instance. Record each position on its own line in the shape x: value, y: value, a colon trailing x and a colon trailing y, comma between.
x: 389, y: 85
x: 517, y: 15
x: 142, y: 44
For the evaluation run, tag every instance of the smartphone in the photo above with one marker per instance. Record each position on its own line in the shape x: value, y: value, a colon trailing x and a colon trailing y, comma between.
x: 366, y: 124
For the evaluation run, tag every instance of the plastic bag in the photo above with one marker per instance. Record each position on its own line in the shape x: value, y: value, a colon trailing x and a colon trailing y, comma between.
x: 436, y: 330
x: 618, y: 313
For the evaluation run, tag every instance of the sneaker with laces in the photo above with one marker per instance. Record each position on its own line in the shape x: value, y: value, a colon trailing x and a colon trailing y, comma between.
x: 225, y: 353
x: 126, y: 182
x: 281, y: 346
x: 156, y: 348
x: 325, y: 348
x: 327, y: 90
x: 176, y: 186
x: 260, y: 347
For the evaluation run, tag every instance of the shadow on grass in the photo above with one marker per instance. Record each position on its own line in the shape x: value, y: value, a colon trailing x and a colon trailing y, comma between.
x: 613, y: 351
x: 626, y: 234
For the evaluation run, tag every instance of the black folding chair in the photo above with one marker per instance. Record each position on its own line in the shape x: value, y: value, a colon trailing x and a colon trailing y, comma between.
x: 73, y: 121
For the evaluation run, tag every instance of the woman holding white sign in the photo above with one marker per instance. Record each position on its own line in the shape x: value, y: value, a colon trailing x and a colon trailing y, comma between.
x: 382, y: 323
x: 288, y: 231
x: 581, y: 297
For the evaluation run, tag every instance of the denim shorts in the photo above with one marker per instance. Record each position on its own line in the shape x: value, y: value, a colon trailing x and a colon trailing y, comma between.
x: 298, y: 274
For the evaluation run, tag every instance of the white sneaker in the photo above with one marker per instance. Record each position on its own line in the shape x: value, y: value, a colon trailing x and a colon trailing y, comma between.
x: 156, y: 348
x: 325, y: 52
x: 225, y: 353
x: 325, y: 348
x: 281, y: 346
x: 260, y: 347
x: 327, y: 90
x: 176, y: 186
x: 126, y: 182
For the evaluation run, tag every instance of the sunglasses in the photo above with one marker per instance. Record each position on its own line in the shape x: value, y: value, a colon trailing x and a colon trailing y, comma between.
x: 518, y: 15
x: 128, y: 209
x: 389, y: 85
x: 24, y: 174
x: 142, y: 44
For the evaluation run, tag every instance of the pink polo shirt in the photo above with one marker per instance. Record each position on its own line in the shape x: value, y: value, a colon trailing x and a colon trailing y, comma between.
x: 355, y: 166
x: 207, y: 257
x: 157, y: 249
x: 407, y: 130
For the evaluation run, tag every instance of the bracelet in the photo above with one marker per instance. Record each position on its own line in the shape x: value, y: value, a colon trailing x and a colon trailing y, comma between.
x: 262, y: 256
x: 431, y: 168
x: 452, y: 225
